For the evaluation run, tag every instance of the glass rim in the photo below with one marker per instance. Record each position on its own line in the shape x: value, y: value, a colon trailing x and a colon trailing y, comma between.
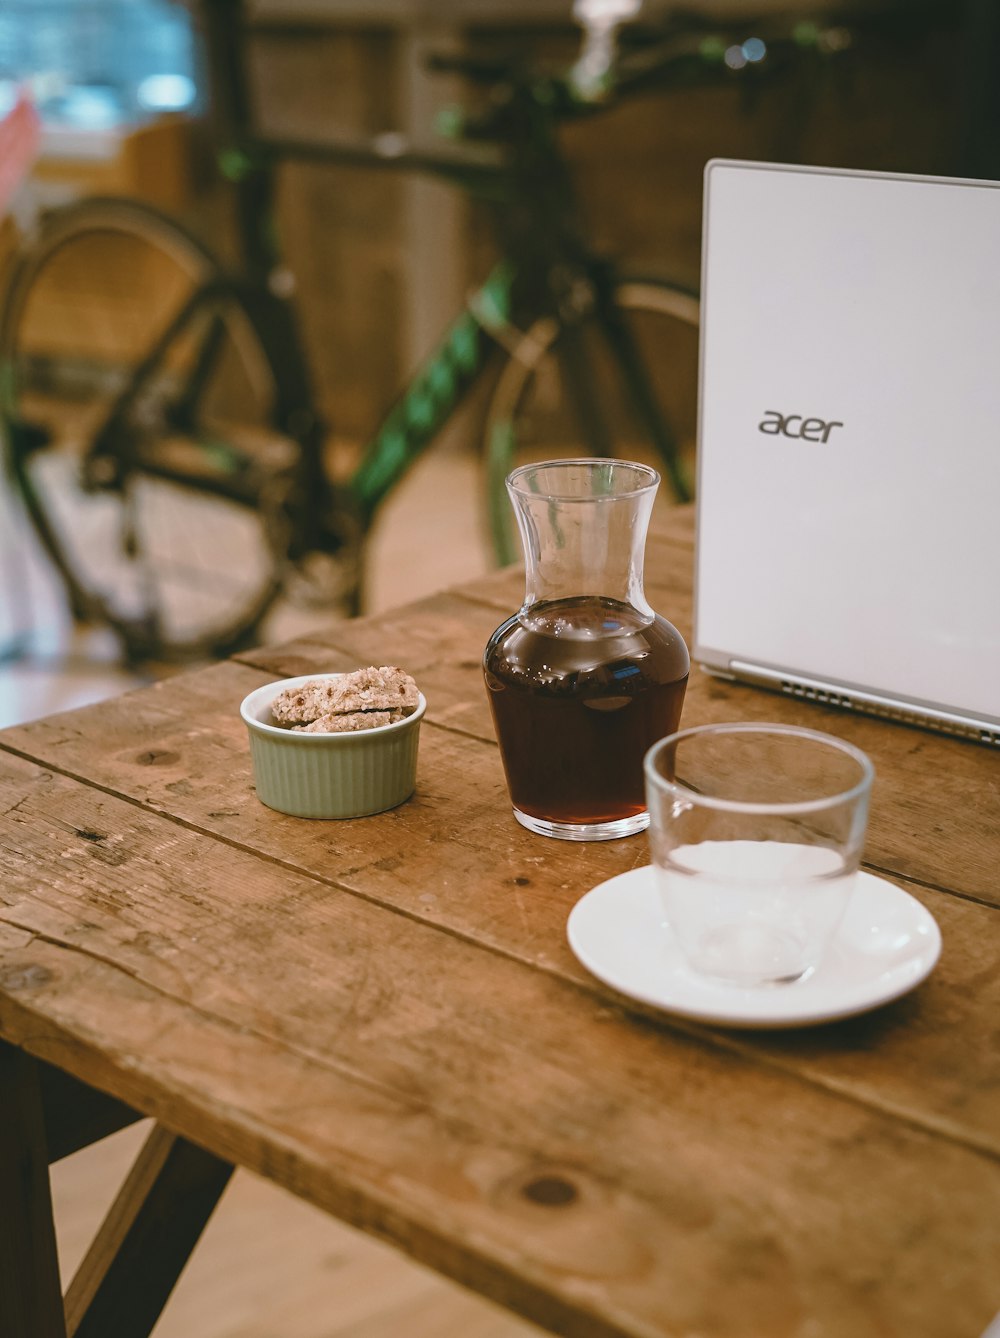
x: 853, y: 792
x: 591, y: 462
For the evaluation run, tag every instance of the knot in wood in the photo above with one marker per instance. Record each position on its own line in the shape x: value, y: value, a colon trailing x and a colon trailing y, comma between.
x: 156, y: 757
x: 28, y: 977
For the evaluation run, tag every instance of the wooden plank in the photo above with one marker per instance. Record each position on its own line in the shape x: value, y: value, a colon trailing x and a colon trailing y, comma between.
x: 929, y: 1056
x: 513, y: 1131
x: 30, y: 1292
x: 146, y: 1239
x: 457, y: 835
x: 509, y: 1128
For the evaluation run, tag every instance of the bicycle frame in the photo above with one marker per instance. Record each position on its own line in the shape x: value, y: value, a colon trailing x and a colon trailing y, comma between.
x: 547, y: 271
x: 434, y: 392
x: 546, y: 261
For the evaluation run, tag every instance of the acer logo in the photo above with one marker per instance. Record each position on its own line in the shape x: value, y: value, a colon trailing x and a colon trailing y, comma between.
x: 794, y: 425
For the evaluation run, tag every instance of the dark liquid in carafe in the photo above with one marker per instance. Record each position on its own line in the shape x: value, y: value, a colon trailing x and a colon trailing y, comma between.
x: 580, y: 689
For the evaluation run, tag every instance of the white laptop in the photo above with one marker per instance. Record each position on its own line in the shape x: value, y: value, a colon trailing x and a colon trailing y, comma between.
x: 848, y: 536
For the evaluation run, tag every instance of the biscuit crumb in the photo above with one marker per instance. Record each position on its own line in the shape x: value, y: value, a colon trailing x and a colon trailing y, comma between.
x: 350, y: 720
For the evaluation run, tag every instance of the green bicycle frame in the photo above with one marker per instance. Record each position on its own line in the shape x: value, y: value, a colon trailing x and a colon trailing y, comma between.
x: 434, y: 392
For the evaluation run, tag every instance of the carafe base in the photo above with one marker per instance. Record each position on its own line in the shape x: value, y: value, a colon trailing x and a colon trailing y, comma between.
x: 585, y: 831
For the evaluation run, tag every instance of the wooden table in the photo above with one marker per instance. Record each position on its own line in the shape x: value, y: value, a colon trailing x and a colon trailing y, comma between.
x: 384, y: 1017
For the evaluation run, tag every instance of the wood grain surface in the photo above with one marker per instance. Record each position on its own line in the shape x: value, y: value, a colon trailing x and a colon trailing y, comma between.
x: 383, y: 1015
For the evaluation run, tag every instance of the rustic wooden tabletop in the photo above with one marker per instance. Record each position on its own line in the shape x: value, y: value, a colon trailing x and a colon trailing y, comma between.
x: 384, y: 1017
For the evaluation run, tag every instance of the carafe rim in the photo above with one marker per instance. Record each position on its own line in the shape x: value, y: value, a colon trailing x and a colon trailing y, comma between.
x: 652, y: 479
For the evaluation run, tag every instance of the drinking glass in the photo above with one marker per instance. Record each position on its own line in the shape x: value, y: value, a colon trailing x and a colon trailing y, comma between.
x: 756, y: 833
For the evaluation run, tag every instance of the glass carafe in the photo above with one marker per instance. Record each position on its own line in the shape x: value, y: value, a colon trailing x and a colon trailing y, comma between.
x: 585, y: 677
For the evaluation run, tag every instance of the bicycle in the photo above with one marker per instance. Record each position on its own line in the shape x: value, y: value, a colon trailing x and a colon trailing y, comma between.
x: 151, y: 443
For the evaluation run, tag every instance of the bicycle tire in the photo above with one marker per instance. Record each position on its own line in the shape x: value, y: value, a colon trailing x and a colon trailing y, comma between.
x: 173, y: 538
x: 529, y: 416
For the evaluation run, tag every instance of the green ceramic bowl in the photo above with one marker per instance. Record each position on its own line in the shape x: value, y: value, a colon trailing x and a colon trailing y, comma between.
x: 348, y: 775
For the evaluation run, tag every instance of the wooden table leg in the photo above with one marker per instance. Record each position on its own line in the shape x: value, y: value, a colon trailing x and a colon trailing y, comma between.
x: 146, y: 1239
x: 30, y: 1295
x: 76, y: 1114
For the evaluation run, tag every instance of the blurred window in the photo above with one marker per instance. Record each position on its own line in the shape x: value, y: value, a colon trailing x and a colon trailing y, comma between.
x: 97, y: 64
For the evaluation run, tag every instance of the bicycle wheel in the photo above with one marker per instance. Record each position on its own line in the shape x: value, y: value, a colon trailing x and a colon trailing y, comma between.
x: 531, y: 416
x: 136, y: 396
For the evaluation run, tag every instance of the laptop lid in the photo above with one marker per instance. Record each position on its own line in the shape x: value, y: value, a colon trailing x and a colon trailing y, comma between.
x: 848, y: 527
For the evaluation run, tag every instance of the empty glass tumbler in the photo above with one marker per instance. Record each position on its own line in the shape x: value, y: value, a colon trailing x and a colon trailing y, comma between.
x: 756, y: 835
x: 585, y: 676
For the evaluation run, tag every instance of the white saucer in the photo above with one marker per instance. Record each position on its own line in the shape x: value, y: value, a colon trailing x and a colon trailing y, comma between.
x: 887, y: 943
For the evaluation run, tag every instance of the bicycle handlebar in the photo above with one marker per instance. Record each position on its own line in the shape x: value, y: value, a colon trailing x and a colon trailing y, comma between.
x: 690, y: 50
x: 693, y: 51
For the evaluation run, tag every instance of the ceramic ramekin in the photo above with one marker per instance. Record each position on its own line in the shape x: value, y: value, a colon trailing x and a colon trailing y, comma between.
x: 350, y: 775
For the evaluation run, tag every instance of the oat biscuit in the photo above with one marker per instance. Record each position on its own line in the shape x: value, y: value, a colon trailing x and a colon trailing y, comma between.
x: 372, y: 690
x: 349, y: 720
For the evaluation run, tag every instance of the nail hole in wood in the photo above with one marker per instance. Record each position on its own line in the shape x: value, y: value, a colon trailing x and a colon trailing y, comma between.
x: 552, y: 1191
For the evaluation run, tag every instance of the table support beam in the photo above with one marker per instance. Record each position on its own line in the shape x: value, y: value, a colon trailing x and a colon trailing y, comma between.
x: 76, y: 1114
x: 30, y: 1295
x: 146, y: 1239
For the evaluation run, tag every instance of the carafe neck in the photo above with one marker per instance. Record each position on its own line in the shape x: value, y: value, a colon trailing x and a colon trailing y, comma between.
x: 583, y: 526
